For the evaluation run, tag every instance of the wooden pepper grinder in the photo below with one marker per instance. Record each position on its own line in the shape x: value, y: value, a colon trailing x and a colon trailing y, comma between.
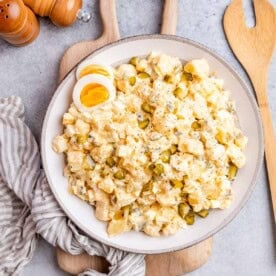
x: 63, y: 13
x: 18, y: 24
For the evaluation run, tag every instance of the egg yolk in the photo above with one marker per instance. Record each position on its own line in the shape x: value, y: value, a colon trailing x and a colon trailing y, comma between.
x: 93, y: 94
x: 94, y: 69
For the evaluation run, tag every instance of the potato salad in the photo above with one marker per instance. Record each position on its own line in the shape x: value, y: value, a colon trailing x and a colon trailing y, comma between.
x: 159, y: 155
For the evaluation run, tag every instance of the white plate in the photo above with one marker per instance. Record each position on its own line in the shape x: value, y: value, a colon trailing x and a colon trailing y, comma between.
x: 82, y: 214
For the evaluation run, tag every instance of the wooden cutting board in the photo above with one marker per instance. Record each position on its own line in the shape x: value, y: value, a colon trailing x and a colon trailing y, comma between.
x: 172, y: 264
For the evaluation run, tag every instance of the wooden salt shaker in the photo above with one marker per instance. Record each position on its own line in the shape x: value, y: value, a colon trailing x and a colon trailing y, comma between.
x: 18, y: 24
x: 63, y: 13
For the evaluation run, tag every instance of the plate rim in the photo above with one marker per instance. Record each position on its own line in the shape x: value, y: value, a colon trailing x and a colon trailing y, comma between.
x: 259, y: 126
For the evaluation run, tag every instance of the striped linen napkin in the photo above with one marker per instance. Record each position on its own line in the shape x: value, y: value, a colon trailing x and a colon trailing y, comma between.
x: 28, y: 207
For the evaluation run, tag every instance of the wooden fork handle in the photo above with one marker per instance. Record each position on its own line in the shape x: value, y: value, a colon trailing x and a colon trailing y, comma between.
x: 110, y: 23
x: 170, y: 17
x: 260, y: 85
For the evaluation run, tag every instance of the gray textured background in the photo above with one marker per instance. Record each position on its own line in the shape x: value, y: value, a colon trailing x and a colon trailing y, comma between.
x: 247, y: 245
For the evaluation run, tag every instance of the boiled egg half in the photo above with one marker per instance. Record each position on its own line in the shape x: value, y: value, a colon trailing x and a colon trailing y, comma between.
x: 88, y: 68
x: 92, y: 91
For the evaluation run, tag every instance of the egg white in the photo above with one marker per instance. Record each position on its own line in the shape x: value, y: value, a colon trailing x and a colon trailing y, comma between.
x: 89, y: 79
x: 86, y: 63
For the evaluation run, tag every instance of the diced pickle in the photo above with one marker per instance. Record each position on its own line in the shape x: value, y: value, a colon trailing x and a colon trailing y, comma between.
x: 143, y: 75
x: 148, y: 187
x: 190, y: 218
x: 187, y: 76
x: 203, y: 213
x: 179, y: 93
x: 168, y: 79
x: 103, y: 173
x: 119, y: 175
x: 82, y: 139
x: 182, y: 209
x: 132, y: 80
x: 184, y: 196
x: 232, y: 171
x: 177, y: 183
x: 173, y: 149
x: 146, y: 108
x: 110, y: 161
x: 159, y: 169
x: 196, y: 125
x: 133, y: 61
x: 143, y: 124
x: 165, y: 156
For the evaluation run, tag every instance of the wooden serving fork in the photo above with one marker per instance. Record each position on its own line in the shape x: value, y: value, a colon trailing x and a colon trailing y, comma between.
x: 254, y: 48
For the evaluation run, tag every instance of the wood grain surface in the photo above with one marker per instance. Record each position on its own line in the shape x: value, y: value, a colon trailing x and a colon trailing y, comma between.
x: 170, y: 17
x: 174, y: 263
x: 254, y: 48
x: 169, y: 264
